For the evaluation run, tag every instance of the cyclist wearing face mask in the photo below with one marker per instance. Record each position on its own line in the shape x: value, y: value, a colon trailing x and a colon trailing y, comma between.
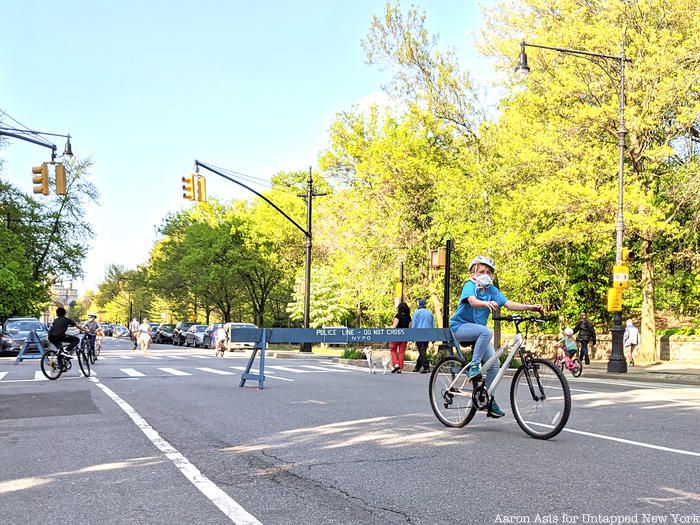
x: 468, y: 324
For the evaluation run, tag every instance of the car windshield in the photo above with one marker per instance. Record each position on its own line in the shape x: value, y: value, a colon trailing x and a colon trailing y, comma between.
x: 243, y: 325
x: 167, y: 327
x: 23, y: 326
x: 201, y: 328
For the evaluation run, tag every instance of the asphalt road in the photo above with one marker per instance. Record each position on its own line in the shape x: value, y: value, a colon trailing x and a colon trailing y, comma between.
x: 172, y: 438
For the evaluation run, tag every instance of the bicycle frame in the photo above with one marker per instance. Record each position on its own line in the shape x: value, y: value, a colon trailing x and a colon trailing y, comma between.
x: 514, y: 343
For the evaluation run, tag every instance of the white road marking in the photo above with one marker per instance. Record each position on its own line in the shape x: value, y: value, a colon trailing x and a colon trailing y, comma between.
x: 223, y: 501
x: 326, y: 369
x: 152, y: 357
x: 39, y: 376
x: 267, y: 374
x: 2, y: 374
x: 175, y: 372
x: 287, y: 369
x: 131, y: 372
x: 215, y: 371
x: 175, y: 357
x: 622, y: 440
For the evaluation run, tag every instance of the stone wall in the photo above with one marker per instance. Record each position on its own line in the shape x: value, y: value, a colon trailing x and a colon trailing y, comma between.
x: 668, y: 348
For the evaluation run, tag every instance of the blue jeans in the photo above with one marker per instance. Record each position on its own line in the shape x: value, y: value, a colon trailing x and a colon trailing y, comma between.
x: 584, y: 352
x: 483, y: 349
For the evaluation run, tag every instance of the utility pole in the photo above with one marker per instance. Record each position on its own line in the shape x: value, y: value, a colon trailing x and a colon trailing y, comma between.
x: 306, y: 347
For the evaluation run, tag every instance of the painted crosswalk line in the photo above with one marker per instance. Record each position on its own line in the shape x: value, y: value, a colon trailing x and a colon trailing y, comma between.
x: 2, y: 374
x: 288, y: 369
x: 327, y: 369
x: 131, y: 372
x: 39, y: 376
x: 175, y: 372
x: 216, y: 371
x: 267, y: 374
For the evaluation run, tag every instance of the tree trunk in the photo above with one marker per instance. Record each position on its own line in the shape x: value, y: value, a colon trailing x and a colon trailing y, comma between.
x: 647, y: 345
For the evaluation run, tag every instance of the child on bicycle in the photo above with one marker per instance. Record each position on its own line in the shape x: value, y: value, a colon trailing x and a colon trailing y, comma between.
x: 468, y: 324
x: 566, y: 344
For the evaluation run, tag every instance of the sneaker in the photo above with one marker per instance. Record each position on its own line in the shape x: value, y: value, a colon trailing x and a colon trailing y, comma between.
x: 474, y: 372
x: 494, y: 410
x: 426, y: 370
x: 395, y: 369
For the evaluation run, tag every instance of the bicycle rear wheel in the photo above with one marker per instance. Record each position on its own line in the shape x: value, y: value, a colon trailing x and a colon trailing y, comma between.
x: 98, y: 347
x: 84, y: 362
x: 540, y: 398
x: 51, y: 365
x: 451, y: 400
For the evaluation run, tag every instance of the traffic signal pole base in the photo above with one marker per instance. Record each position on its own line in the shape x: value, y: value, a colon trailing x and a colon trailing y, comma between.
x: 617, y: 363
x: 305, y: 347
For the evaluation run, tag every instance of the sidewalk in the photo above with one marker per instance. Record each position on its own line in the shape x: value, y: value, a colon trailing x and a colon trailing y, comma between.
x: 683, y: 372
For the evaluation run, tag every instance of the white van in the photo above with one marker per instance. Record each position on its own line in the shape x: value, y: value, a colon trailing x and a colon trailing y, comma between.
x: 234, y: 345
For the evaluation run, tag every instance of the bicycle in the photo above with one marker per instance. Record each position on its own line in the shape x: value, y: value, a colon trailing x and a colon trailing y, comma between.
x: 565, y: 362
x: 56, y: 360
x: 539, y: 393
x: 90, y: 348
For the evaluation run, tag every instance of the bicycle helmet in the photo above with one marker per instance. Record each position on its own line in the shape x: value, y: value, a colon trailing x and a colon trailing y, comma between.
x: 568, y: 332
x: 483, y: 259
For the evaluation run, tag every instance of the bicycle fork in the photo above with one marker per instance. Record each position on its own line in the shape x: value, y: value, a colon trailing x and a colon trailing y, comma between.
x: 528, y: 376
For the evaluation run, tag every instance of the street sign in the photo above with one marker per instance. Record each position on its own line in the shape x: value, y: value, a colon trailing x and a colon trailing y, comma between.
x: 621, y: 275
x: 615, y: 299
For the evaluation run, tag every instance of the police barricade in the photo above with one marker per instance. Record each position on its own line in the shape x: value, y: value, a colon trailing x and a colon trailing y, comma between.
x: 264, y: 336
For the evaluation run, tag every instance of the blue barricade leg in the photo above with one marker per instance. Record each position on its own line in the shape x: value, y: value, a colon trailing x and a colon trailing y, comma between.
x: 260, y: 376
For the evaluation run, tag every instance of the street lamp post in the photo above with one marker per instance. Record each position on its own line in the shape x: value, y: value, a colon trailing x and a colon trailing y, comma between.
x: 617, y: 362
x: 305, y: 347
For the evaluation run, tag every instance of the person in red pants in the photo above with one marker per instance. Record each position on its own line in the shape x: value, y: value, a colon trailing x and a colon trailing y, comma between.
x: 402, y: 319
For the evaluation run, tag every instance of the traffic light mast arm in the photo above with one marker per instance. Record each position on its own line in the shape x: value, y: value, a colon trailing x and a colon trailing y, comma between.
x: 213, y: 170
x: 52, y: 147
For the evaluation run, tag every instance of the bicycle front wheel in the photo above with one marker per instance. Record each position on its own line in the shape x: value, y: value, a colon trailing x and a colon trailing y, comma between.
x: 51, y: 365
x: 98, y: 347
x: 84, y: 363
x: 451, y: 392
x: 540, y: 398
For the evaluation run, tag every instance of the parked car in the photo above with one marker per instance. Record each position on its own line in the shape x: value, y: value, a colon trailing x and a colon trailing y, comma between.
x: 195, y: 335
x: 120, y: 331
x: 164, y: 333
x: 209, y: 334
x: 152, y: 330
x: 15, y: 331
x: 107, y: 329
x: 232, y: 345
x: 180, y: 332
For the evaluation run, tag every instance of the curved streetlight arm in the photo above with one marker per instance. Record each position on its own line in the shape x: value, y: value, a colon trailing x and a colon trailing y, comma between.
x: 21, y: 134
x: 197, y: 164
x: 524, y: 44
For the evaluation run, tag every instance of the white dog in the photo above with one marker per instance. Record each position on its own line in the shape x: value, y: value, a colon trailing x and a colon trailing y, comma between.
x: 377, y: 356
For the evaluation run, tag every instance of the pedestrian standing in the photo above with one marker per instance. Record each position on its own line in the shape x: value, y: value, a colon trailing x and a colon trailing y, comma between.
x: 133, y: 331
x: 402, y: 319
x: 586, y: 335
x: 631, y: 339
x: 423, y: 318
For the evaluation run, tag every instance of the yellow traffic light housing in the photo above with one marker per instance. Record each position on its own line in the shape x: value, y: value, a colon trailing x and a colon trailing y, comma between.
x: 61, y: 186
x: 41, y: 177
x: 201, y: 188
x: 626, y: 255
x: 188, y: 187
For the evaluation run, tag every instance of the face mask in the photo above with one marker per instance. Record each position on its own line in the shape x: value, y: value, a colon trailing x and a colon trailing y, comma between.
x: 483, y: 280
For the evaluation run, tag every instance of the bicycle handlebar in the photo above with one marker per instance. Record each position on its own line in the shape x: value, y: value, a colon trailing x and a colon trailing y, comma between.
x: 520, y: 318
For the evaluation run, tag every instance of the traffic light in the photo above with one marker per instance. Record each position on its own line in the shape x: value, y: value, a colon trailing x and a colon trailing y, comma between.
x: 626, y: 255
x: 188, y: 187
x: 61, y: 180
x: 41, y: 177
x: 201, y: 188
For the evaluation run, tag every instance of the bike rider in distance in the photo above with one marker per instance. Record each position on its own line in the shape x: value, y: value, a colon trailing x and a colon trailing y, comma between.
x: 92, y: 327
x: 566, y: 344
x: 468, y: 324
x: 57, y: 332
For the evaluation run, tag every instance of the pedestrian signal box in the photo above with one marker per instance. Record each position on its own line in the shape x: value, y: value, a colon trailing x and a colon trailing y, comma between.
x: 61, y: 180
x: 614, y: 299
x: 201, y: 188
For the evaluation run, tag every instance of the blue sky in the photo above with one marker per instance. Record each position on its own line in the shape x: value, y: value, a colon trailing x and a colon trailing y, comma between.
x: 145, y: 87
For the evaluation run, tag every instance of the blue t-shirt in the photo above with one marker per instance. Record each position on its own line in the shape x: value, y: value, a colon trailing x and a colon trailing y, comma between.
x: 423, y: 318
x: 466, y: 313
